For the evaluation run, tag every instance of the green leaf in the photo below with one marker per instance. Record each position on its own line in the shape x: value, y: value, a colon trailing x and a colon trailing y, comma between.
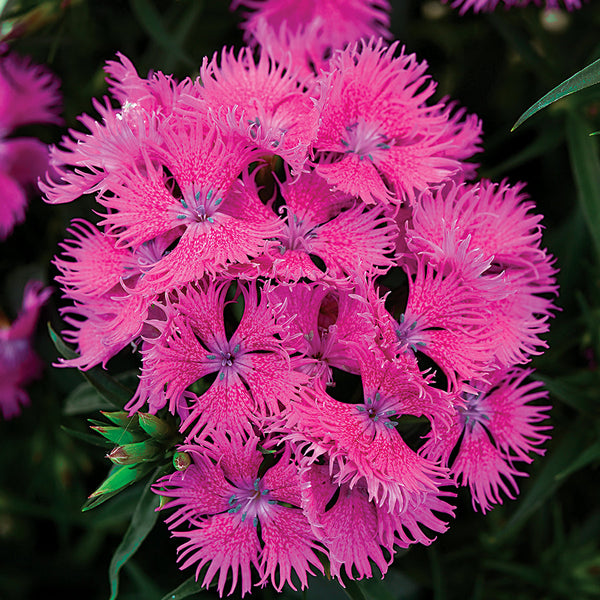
x: 86, y: 437
x: 142, y: 522
x: 587, y: 77
x: 150, y: 19
x: 588, y: 456
x: 546, y: 482
x: 189, y: 587
x: 108, y: 387
x: 119, y: 477
x: 85, y: 399
x: 583, y: 152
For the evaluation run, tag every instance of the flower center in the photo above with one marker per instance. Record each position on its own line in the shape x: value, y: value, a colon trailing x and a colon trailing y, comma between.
x: 365, y: 140
x: 251, y: 503
x: 199, y: 208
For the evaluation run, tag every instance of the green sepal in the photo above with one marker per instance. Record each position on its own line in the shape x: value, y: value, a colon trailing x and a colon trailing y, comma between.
x: 119, y: 477
x: 118, y: 435
x: 121, y: 418
x: 155, y: 427
x: 130, y: 454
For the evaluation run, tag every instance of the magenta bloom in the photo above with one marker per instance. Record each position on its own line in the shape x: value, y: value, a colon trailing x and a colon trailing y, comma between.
x: 356, y: 529
x: 19, y: 364
x: 341, y: 22
x: 254, y: 376
x: 490, y: 235
x: 223, y: 503
x: 28, y: 94
x: 498, y: 426
x: 260, y: 101
x: 378, y: 138
x: 361, y: 441
x: 326, y: 235
x: 490, y: 5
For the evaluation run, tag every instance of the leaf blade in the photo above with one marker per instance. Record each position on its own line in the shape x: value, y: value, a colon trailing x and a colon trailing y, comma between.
x: 587, y: 77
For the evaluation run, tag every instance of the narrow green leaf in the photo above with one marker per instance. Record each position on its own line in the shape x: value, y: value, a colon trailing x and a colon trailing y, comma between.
x: 86, y: 437
x: 189, y: 587
x: 546, y: 483
x: 585, y: 164
x: 108, y: 387
x: 142, y: 522
x: 588, y: 456
x: 587, y: 77
x: 85, y: 399
x: 151, y: 20
x: 64, y: 350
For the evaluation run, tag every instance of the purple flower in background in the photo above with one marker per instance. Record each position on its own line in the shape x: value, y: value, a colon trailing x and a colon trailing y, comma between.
x: 19, y: 364
x: 28, y: 94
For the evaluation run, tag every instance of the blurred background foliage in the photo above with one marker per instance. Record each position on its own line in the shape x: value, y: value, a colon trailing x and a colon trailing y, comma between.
x: 543, y: 545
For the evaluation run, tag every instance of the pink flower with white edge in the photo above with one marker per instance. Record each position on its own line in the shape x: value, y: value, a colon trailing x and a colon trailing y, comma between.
x: 19, y: 364
x: 378, y: 138
x: 498, y: 425
x: 28, y: 94
x: 234, y: 519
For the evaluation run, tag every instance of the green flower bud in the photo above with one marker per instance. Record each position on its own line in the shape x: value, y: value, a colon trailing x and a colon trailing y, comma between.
x: 131, y: 454
x: 154, y: 426
x: 181, y: 460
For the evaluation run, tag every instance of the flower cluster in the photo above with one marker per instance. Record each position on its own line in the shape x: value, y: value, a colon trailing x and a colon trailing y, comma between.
x: 334, y: 308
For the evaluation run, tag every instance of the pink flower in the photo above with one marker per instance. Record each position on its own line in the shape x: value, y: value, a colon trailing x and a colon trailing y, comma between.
x: 323, y: 321
x: 490, y: 5
x: 356, y: 529
x: 260, y: 101
x: 253, y: 374
x: 326, y: 235
x: 361, y: 442
x: 19, y: 364
x: 222, y: 501
x: 497, y: 426
x: 28, y: 94
x: 493, y: 228
x: 341, y: 22
x: 378, y: 138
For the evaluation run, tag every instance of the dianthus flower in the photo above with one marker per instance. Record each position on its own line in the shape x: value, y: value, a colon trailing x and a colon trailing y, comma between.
x: 378, y: 139
x: 28, y: 94
x: 260, y: 101
x: 325, y: 235
x: 346, y: 22
x: 497, y: 426
x: 235, y: 518
x: 490, y: 5
x: 254, y: 376
x: 19, y: 364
